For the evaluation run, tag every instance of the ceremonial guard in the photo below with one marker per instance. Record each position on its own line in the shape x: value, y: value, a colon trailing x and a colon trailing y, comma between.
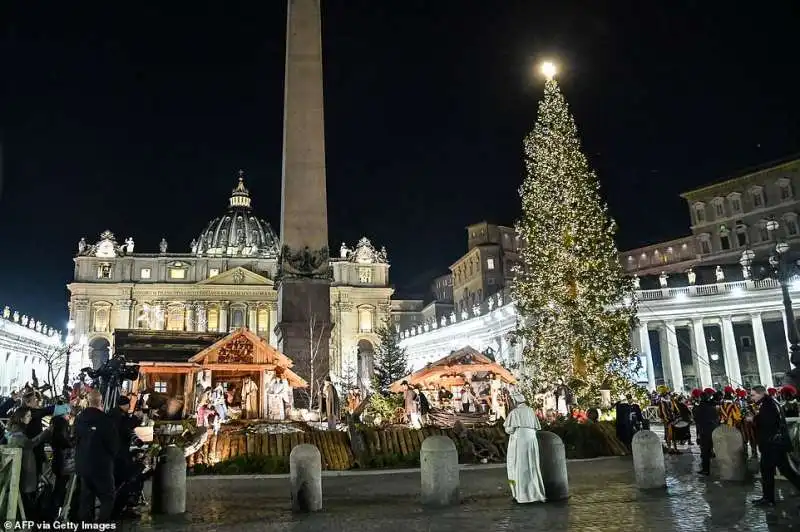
x: 669, y: 414
x: 788, y: 399
x: 730, y: 413
x: 747, y: 427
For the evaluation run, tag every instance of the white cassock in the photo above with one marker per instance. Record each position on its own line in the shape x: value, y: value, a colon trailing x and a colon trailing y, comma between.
x: 522, y: 460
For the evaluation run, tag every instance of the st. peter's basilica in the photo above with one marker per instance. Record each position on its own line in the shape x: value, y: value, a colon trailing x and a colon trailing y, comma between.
x: 224, y: 280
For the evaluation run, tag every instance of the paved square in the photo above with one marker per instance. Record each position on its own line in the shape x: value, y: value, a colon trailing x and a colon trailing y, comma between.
x: 603, y: 498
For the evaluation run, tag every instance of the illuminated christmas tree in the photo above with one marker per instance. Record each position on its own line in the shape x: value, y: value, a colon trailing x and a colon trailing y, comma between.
x: 575, y: 302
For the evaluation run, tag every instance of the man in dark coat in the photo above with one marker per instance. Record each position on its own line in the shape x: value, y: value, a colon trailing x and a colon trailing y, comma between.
x: 96, y: 450
x: 125, y: 424
x: 773, y: 441
x: 33, y: 401
x: 706, y: 419
x: 624, y: 422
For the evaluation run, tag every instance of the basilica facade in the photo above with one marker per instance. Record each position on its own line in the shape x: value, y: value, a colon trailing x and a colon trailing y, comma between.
x: 224, y: 280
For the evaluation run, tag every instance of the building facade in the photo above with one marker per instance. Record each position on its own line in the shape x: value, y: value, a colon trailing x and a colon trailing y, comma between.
x: 704, y: 320
x: 225, y: 280
x: 27, y: 345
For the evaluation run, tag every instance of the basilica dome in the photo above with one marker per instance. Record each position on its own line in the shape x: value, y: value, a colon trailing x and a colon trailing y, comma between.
x: 238, y: 232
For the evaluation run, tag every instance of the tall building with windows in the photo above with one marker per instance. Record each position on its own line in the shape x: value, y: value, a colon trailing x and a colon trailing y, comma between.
x: 704, y: 320
x: 487, y: 266
x: 224, y: 280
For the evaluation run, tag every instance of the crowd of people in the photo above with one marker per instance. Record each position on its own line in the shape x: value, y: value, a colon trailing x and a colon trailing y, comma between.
x: 759, y: 414
x: 90, y: 455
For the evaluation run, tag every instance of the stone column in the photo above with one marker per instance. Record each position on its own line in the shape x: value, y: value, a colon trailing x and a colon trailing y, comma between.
x: 273, y: 322
x: 675, y: 369
x: 762, y: 353
x: 123, y: 313
x: 190, y: 321
x: 223, y: 315
x: 644, y: 346
x: 159, y: 317
x: 701, y: 353
x: 81, y: 317
x: 786, y: 335
x: 202, y: 317
x: 252, y: 317
x: 730, y: 353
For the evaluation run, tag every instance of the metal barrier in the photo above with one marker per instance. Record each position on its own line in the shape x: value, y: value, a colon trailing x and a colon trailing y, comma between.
x: 651, y: 414
x: 10, y: 469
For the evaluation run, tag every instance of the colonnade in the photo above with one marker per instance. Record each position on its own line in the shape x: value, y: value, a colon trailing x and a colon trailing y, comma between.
x: 673, y: 369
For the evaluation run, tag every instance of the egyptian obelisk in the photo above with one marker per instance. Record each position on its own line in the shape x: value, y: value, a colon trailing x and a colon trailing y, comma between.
x: 304, y: 272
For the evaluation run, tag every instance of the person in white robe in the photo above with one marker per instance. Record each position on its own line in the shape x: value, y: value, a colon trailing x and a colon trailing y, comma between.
x: 522, y: 458
x: 277, y: 392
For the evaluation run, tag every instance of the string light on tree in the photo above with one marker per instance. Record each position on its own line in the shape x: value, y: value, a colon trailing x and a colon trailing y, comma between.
x: 575, y: 301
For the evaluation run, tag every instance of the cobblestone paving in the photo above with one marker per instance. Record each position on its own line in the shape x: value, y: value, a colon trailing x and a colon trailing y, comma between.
x: 603, y: 498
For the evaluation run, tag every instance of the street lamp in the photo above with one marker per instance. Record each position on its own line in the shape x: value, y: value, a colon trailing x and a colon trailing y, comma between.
x: 781, y: 268
x: 70, y: 347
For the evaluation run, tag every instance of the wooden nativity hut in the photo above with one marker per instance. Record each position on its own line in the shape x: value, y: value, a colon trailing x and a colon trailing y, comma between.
x: 464, y: 366
x: 177, y: 364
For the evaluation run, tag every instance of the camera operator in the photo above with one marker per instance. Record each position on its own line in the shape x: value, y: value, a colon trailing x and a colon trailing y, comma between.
x: 124, y: 470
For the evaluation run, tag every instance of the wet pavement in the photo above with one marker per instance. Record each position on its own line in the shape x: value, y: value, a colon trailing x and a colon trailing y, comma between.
x: 603, y: 498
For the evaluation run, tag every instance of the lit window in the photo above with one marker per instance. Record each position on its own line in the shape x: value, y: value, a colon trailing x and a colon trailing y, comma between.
x: 145, y: 273
x: 365, y: 275
x: 262, y: 320
x: 365, y: 320
x: 213, y: 319
x: 160, y: 387
x: 213, y: 272
x: 104, y: 271
x: 175, y: 319
x: 490, y: 263
x: 177, y: 273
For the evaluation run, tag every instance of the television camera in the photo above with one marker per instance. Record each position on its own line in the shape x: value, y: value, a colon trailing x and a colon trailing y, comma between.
x: 110, y: 376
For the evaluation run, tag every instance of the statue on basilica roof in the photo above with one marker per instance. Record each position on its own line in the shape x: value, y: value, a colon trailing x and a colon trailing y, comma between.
x: 162, y: 246
x: 365, y: 253
x: 129, y: 245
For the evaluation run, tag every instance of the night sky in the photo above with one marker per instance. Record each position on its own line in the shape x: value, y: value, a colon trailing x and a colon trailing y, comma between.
x: 137, y: 120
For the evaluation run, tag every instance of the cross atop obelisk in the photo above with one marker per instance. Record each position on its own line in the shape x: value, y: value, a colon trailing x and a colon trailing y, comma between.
x: 304, y: 272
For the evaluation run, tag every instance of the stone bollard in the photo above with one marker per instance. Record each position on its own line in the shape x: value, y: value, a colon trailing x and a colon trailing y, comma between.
x: 439, y: 471
x: 169, y: 482
x: 553, y: 462
x: 305, y: 475
x: 648, y: 460
x: 729, y: 453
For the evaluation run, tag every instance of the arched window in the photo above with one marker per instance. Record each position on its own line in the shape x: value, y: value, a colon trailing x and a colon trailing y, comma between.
x: 175, y: 318
x: 237, y: 318
x: 102, y: 317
